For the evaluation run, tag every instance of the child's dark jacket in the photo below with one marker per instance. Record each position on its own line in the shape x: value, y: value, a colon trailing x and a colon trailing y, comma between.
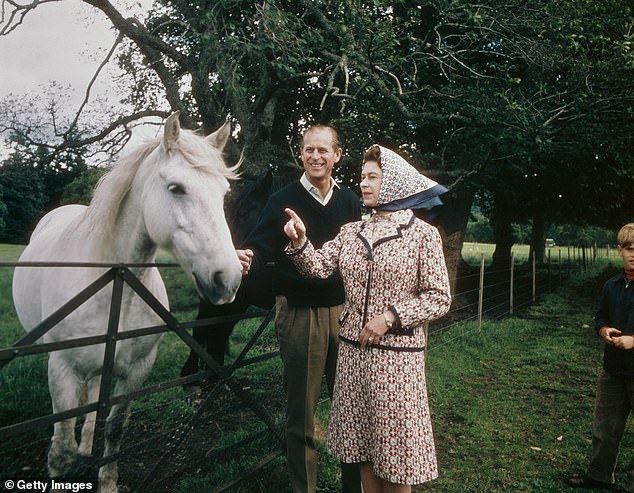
x: 617, y: 310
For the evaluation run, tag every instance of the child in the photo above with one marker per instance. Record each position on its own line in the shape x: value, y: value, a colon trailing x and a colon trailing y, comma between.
x: 615, y: 388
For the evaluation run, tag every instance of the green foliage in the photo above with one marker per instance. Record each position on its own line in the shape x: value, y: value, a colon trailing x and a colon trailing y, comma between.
x: 24, y: 198
x: 480, y: 230
x: 80, y: 190
x: 527, y: 102
x: 33, y: 178
x: 3, y: 212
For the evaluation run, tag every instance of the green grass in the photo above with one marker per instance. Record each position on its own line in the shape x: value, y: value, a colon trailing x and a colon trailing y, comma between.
x: 511, y: 403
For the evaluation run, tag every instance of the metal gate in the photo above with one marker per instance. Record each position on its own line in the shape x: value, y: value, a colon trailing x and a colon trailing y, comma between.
x: 120, y: 275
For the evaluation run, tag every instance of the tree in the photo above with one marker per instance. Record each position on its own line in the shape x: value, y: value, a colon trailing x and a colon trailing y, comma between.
x: 34, y: 178
x: 553, y: 140
x: 3, y: 212
x: 497, y: 97
x: 80, y: 190
x: 24, y: 198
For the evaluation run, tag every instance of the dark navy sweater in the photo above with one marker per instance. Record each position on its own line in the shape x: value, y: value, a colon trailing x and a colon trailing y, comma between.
x: 617, y: 310
x: 268, y: 241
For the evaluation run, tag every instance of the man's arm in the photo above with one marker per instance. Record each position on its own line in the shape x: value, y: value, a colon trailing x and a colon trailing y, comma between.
x: 262, y: 243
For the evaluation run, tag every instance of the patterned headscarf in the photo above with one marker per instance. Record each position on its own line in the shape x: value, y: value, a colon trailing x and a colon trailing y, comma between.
x: 403, y: 187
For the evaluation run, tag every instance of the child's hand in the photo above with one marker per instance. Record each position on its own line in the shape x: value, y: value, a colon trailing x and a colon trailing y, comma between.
x: 624, y: 342
x: 609, y: 334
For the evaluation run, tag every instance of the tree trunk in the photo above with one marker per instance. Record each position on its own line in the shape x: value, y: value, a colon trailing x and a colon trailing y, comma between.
x: 537, y: 237
x: 503, y: 235
x: 452, y: 224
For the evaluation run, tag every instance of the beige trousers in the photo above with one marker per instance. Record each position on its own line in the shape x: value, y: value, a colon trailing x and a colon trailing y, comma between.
x: 309, y: 341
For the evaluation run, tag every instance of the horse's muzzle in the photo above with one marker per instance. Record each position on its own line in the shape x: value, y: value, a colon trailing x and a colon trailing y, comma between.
x: 222, y: 288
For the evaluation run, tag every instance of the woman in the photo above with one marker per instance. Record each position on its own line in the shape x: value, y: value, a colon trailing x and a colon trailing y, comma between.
x: 395, y: 280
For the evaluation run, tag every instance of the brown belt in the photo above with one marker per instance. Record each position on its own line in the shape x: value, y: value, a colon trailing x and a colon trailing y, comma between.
x: 383, y: 347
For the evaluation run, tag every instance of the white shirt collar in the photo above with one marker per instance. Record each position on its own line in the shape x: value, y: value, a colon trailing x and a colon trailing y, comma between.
x: 312, y: 189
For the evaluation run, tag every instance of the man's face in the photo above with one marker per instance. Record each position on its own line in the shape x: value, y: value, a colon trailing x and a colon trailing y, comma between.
x: 319, y: 155
x: 627, y: 254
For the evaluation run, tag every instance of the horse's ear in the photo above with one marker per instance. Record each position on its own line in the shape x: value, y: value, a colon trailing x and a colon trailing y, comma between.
x: 219, y: 138
x: 171, y: 131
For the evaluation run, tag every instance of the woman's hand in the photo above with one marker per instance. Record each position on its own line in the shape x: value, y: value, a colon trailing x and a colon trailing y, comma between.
x: 373, y: 331
x: 295, y: 229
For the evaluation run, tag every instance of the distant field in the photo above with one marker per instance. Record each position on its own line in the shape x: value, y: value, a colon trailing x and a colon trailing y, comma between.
x: 474, y: 250
x: 471, y: 252
x: 9, y: 253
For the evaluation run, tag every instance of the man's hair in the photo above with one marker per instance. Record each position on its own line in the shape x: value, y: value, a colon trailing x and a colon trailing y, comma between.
x: 336, y: 142
x: 625, y: 237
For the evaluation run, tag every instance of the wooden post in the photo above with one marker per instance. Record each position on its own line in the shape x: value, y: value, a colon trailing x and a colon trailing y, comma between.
x: 534, y: 277
x: 549, y: 273
x: 511, y: 284
x: 481, y: 292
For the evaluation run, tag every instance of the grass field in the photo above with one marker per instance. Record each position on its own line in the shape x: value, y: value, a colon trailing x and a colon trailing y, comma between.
x: 511, y: 404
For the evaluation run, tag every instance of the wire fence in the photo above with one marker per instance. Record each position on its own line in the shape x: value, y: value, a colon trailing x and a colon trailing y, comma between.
x: 484, y: 291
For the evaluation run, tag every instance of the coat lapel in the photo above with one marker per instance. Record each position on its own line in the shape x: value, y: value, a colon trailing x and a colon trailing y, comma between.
x: 377, y: 231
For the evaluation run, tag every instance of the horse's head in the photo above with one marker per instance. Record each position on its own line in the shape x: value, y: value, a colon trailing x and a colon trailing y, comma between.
x: 183, y: 208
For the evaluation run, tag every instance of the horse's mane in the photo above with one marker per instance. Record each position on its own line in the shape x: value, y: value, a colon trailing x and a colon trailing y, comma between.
x: 101, y: 217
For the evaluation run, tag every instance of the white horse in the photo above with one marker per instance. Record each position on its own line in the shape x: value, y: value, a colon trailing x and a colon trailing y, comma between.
x: 169, y: 194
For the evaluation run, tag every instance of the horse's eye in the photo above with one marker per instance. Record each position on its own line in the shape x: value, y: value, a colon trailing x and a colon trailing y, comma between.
x: 176, y: 189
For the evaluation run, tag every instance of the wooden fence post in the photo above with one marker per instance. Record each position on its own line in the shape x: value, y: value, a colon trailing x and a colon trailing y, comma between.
x: 534, y: 277
x: 481, y: 292
x: 511, y: 284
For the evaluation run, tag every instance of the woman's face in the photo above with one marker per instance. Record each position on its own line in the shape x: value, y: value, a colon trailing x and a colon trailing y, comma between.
x: 371, y: 177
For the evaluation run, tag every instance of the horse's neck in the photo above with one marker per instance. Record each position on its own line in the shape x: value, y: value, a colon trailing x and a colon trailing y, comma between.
x: 128, y: 240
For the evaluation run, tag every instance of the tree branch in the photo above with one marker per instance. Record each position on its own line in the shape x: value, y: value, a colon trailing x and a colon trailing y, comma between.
x: 120, y: 122
x: 154, y: 49
x: 14, y: 16
x: 73, y: 124
x: 137, y: 32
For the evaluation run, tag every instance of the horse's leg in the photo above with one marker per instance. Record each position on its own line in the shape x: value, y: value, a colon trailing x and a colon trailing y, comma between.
x: 64, y: 387
x: 118, y: 418
x: 115, y: 426
x: 88, y: 430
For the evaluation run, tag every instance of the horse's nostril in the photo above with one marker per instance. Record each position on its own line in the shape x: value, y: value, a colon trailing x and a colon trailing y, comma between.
x: 222, y: 281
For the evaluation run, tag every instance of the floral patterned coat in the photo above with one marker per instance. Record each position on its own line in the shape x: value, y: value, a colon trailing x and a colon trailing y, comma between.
x: 380, y: 411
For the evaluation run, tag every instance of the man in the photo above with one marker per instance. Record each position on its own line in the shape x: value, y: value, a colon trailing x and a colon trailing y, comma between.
x: 307, y: 311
